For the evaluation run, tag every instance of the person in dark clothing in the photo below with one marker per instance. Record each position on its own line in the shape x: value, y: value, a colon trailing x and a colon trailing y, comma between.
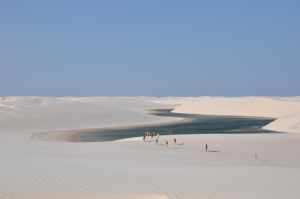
x: 206, y: 147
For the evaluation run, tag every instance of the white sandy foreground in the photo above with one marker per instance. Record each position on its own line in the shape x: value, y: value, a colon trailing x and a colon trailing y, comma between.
x: 33, y: 169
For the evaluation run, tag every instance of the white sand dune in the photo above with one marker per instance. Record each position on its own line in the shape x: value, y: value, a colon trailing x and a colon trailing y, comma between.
x: 34, y: 169
x: 286, y: 110
x: 39, y: 114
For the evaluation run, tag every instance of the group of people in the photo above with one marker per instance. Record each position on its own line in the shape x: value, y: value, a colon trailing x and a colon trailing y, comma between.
x: 150, y: 136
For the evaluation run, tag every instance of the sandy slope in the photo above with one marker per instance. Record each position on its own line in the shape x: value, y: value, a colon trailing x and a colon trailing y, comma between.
x: 38, y: 114
x: 33, y: 169
x: 285, y: 109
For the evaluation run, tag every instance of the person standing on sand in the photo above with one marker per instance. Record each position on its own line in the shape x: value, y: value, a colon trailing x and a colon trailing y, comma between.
x: 175, y: 141
x: 167, y: 143
x: 147, y: 134
x: 206, y: 147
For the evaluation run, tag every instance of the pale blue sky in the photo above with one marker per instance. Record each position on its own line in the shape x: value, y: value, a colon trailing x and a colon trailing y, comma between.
x: 155, y: 47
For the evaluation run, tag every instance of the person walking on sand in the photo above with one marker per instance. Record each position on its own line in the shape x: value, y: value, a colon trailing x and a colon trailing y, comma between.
x: 167, y: 143
x: 206, y: 147
x: 156, y: 138
x: 175, y: 141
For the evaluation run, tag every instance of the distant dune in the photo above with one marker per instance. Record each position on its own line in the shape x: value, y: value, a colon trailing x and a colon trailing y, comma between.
x: 285, y: 109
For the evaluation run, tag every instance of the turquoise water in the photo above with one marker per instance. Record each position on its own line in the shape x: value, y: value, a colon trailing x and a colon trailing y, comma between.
x: 193, y: 124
